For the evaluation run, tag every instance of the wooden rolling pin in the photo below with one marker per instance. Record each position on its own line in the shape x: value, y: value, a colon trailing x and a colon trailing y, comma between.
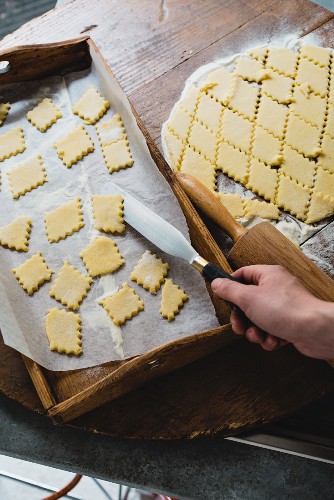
x: 262, y: 244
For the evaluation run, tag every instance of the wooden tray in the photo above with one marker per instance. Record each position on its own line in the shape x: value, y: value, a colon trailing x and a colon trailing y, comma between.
x: 83, y: 390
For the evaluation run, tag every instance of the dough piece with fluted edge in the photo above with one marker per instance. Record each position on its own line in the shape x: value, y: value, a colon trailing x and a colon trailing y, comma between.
x: 257, y: 208
x: 117, y: 155
x: 64, y: 220
x: 172, y: 300
x: 91, y: 106
x: 27, y: 176
x: 63, y: 330
x: 16, y: 234
x: 150, y: 272
x: 108, y: 212
x: 74, y: 146
x: 12, y: 143
x: 111, y: 130
x: 70, y: 286
x: 33, y: 273
x: 4, y: 108
x: 233, y: 203
x: 44, y: 115
x: 101, y: 256
x: 122, y: 305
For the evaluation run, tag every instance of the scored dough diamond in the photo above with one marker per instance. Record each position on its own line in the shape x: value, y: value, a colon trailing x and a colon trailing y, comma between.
x: 195, y: 164
x: 91, y: 106
x: 303, y: 136
x: 64, y: 220
x: 122, y: 305
x: 111, y: 130
x: 292, y: 196
x: 16, y: 234
x: 118, y: 155
x: 74, y: 146
x: 101, y: 256
x: 108, y: 212
x: 12, y: 143
x: 33, y: 273
x: 150, y: 272
x: 262, y: 179
x: 70, y: 286
x: 44, y: 115
x: 236, y: 130
x: 27, y: 176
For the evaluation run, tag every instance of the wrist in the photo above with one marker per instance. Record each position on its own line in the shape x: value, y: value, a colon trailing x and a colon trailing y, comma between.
x: 317, y: 328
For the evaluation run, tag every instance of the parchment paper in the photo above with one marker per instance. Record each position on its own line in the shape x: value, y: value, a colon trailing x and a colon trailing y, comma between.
x: 22, y: 318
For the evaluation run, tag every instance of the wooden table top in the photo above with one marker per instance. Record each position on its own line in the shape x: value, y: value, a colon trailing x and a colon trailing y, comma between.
x: 153, y: 46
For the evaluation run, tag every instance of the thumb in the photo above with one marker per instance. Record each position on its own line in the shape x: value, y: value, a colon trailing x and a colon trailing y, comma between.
x: 234, y: 292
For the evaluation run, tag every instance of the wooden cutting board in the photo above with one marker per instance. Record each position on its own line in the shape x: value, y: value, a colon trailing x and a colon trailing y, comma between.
x: 241, y: 386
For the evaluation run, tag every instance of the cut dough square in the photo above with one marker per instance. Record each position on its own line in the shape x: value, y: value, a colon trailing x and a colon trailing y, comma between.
x: 282, y: 60
x: 316, y: 76
x: 108, y: 212
x: 122, y: 305
x: 70, y: 286
x: 278, y: 87
x: 91, y: 106
x: 262, y: 179
x: 110, y: 131
x: 272, y: 116
x: 175, y: 148
x: 195, y: 164
x: 4, y: 108
x: 324, y: 183
x: 330, y: 121
x: 209, y: 112
x: 150, y: 272
x: 233, y: 203
x: 189, y: 103
x: 256, y: 208
x: 319, y: 55
x: 303, y: 136
x: 242, y: 97
x: 44, y: 115
x: 172, y: 300
x: 64, y: 220
x: 259, y: 53
x: 74, y: 146
x: 16, y: 234
x: 292, y: 196
x: 221, y: 78
x: 27, y: 176
x: 203, y: 140
x: 101, y: 256
x: 33, y: 273
x: 266, y: 147
x: 319, y: 208
x: 309, y: 106
x: 236, y: 130
x: 63, y: 330
x: 326, y: 158
x: 250, y: 69
x: 12, y: 143
x: 118, y: 155
x: 232, y: 162
x: 297, y: 166
x: 180, y: 122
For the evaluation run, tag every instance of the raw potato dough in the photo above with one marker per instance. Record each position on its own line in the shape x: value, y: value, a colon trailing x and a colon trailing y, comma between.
x: 91, y: 106
x: 150, y: 272
x: 70, y: 286
x: 122, y: 305
x: 101, y: 257
x: 4, y: 108
x: 16, y: 234
x: 63, y: 330
x: 33, y: 273
x: 12, y: 143
x: 64, y: 220
x: 267, y: 123
x: 108, y: 212
x: 27, y: 176
x: 44, y: 115
x: 74, y: 146
x: 172, y: 300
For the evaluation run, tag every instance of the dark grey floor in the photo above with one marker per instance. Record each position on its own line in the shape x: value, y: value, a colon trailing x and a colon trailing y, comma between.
x: 14, y: 13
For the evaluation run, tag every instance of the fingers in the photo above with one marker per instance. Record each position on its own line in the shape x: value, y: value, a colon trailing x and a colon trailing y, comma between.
x: 234, y: 292
x: 239, y: 321
x: 258, y: 336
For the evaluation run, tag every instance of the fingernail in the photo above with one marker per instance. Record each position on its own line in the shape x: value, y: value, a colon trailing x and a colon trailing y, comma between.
x: 215, y: 283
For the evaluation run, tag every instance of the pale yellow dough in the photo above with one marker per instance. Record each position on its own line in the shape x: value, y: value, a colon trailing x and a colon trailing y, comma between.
x: 63, y: 330
x: 267, y: 122
x: 27, y: 176
x: 12, y: 143
x: 4, y: 108
x: 172, y: 300
x: 117, y: 155
x: 74, y: 146
x: 64, y: 220
x: 91, y: 106
x: 33, y: 273
x: 16, y: 234
x: 101, y: 256
x: 245, y: 207
x: 122, y: 305
x: 108, y: 213
x: 150, y: 272
x: 111, y: 130
x: 70, y: 286
x: 44, y: 115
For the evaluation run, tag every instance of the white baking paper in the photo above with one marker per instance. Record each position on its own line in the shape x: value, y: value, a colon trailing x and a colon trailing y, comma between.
x: 22, y: 318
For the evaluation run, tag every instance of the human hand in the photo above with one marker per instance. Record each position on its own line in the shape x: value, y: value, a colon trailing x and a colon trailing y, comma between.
x: 274, y: 308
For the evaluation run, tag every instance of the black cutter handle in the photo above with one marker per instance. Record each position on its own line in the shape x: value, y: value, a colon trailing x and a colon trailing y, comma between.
x: 211, y: 272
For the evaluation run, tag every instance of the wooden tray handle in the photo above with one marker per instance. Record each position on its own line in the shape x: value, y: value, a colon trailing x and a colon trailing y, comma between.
x: 206, y: 201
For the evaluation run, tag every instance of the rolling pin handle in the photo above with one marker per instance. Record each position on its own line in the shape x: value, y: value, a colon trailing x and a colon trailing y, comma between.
x: 211, y: 272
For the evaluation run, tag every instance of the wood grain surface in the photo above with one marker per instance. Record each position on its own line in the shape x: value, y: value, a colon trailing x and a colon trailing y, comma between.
x: 152, y: 47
